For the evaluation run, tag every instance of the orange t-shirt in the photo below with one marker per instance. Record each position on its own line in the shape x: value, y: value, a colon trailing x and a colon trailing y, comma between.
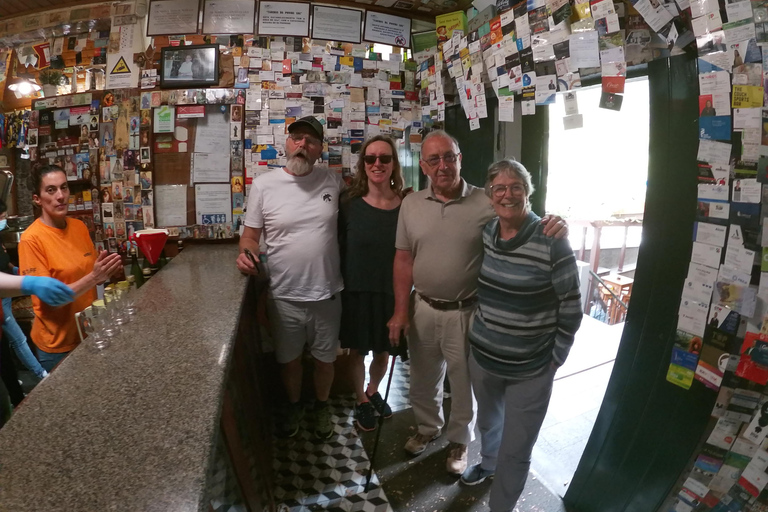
x: 67, y: 255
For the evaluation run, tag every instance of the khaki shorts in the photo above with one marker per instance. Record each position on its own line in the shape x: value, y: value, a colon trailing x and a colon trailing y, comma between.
x: 295, y: 324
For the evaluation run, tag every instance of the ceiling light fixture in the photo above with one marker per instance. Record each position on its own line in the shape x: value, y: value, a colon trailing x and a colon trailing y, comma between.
x: 24, y: 87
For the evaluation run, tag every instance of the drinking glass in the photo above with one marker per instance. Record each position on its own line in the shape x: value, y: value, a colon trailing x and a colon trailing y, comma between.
x: 95, y: 325
x: 113, y: 301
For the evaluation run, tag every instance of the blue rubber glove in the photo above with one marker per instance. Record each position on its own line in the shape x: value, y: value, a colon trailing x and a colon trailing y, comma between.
x: 15, y: 271
x: 51, y: 291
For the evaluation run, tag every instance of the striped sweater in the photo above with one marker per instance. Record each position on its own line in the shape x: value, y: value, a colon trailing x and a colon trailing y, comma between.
x: 529, y: 302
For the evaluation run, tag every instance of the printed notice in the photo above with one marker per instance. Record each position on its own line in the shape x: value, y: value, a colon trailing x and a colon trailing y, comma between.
x: 171, y: 205
x: 283, y: 19
x: 336, y: 24
x: 229, y: 16
x: 169, y: 17
x: 388, y: 29
x: 213, y: 203
x: 209, y: 168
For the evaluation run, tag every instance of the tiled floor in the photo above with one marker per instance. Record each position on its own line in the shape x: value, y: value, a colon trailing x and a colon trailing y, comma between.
x: 313, y: 475
x: 326, y: 475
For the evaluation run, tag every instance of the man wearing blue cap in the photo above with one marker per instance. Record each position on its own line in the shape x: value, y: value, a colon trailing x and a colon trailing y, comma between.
x: 296, y: 208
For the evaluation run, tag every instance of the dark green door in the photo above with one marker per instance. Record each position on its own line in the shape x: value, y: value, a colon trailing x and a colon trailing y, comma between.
x: 647, y: 429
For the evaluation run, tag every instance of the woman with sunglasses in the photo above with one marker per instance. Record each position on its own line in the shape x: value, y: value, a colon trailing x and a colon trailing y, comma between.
x: 367, y: 225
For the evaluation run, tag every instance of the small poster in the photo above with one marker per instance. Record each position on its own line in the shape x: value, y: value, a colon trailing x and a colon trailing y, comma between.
x: 387, y: 29
x: 283, y: 19
x: 336, y: 24
x: 228, y: 16
x: 164, y: 119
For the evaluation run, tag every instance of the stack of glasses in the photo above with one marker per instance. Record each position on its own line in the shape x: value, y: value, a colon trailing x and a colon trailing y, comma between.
x: 102, y: 319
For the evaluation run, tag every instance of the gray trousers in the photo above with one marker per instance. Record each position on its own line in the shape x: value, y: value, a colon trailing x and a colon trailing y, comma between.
x: 509, y: 417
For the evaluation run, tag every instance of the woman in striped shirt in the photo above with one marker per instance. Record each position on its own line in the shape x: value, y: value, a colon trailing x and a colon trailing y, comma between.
x: 529, y: 309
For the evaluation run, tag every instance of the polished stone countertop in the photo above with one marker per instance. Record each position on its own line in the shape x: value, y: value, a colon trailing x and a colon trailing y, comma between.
x: 132, y: 428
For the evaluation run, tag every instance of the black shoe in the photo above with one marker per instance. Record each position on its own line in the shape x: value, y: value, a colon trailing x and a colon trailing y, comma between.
x: 365, y: 417
x: 380, y: 405
x: 291, y: 420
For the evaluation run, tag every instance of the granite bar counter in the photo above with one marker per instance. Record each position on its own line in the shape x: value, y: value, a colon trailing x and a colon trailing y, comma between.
x: 133, y: 428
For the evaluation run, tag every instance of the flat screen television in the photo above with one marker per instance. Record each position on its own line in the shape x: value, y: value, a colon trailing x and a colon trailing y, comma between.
x: 189, y: 66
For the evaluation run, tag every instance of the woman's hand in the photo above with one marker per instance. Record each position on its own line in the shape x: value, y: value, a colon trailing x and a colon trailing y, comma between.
x: 106, y: 265
x: 554, y: 225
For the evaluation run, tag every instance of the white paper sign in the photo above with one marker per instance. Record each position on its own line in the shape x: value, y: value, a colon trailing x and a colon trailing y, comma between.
x: 210, y: 168
x: 387, y: 29
x: 171, y: 205
x: 283, y: 19
x: 169, y: 17
x: 228, y: 16
x: 213, y: 203
x: 337, y: 24
x: 212, y: 132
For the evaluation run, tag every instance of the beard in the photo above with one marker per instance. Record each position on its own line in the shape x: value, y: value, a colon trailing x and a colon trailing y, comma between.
x: 299, y: 164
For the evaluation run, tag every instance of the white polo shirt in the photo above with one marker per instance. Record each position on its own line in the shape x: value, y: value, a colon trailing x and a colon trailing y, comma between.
x: 298, y: 215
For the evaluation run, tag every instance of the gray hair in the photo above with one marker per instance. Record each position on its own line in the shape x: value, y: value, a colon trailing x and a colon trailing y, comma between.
x: 441, y: 133
x: 510, y: 167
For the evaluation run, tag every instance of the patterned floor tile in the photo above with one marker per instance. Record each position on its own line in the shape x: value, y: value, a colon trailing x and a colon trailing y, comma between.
x: 311, y: 474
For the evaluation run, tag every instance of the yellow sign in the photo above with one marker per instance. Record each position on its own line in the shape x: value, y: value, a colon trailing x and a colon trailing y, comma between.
x: 747, y: 96
x: 121, y: 68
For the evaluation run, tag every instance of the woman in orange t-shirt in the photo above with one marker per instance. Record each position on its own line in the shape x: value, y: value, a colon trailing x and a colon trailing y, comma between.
x: 60, y: 247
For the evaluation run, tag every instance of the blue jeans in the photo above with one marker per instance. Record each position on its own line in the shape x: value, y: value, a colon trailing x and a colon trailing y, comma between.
x: 18, y: 341
x: 48, y: 360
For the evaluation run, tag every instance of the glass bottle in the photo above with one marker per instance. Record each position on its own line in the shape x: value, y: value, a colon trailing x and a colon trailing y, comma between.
x: 163, y: 261
x: 136, y: 273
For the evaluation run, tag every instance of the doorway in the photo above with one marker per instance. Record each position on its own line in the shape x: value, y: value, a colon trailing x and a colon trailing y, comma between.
x: 601, y: 193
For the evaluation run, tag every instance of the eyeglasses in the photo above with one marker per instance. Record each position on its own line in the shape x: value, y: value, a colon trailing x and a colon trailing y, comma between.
x: 448, y: 158
x: 308, y: 139
x: 500, y: 190
x: 371, y: 159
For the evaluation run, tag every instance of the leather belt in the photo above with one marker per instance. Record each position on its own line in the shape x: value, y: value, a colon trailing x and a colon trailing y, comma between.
x: 444, y: 305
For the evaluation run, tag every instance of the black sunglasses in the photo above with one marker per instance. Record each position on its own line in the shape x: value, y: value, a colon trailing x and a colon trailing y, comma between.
x: 371, y: 159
